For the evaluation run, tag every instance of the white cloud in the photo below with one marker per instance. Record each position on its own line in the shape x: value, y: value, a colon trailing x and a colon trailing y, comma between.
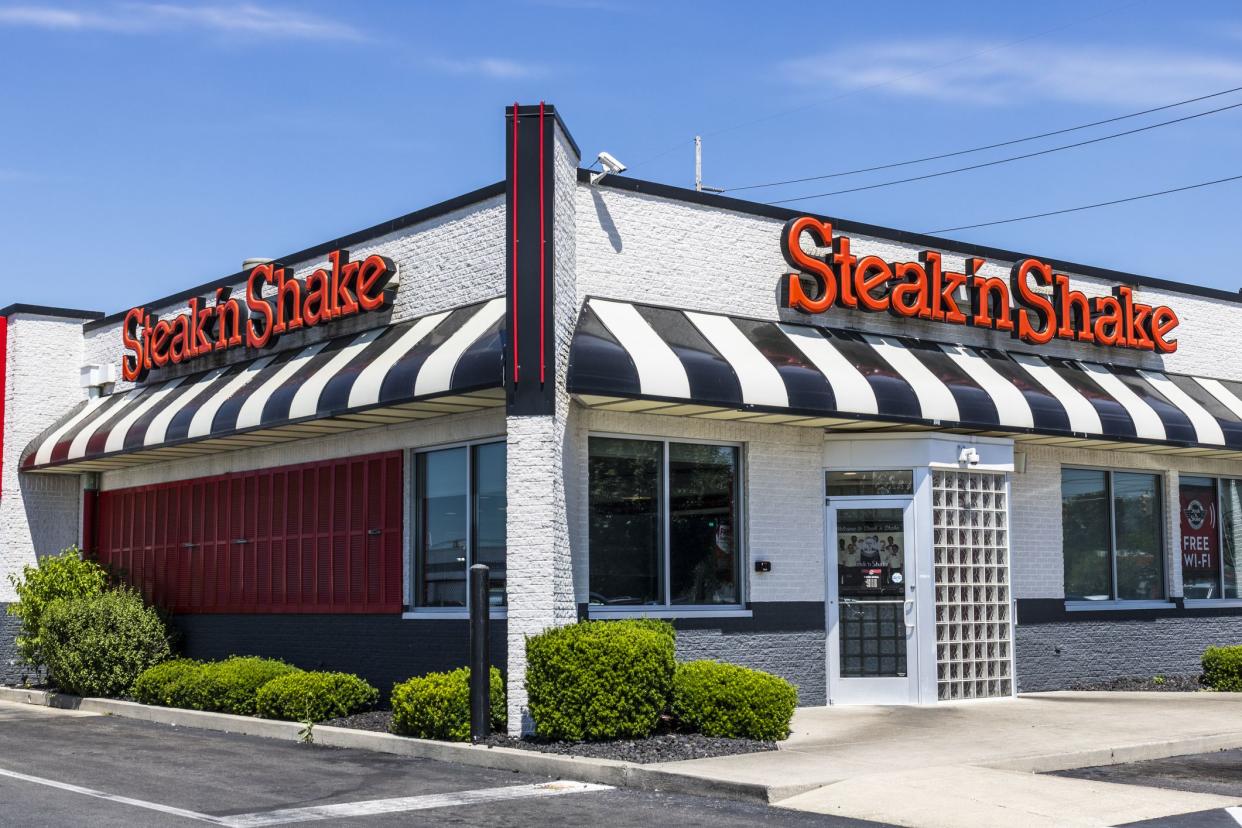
x: 140, y: 18
x: 488, y: 67
x: 1075, y: 73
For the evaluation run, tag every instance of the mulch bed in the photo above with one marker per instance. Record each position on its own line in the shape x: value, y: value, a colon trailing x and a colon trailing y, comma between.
x: 663, y: 747
x: 666, y: 747
x: 375, y: 720
x: 1168, y: 684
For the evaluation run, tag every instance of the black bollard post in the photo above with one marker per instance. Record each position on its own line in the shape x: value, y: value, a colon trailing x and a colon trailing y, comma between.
x: 480, y: 653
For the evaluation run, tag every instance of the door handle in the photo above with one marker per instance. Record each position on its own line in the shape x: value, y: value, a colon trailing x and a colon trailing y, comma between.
x: 908, y: 613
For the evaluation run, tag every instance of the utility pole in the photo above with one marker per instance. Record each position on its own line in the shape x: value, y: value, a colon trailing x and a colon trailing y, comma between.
x: 698, y: 168
x: 698, y: 163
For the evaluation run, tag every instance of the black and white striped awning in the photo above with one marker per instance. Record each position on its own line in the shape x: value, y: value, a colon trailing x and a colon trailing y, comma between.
x: 643, y: 358
x: 444, y: 363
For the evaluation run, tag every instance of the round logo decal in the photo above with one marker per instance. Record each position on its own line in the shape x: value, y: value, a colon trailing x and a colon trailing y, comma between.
x: 1195, y: 514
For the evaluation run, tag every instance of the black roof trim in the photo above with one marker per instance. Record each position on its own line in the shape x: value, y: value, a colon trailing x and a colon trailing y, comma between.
x: 548, y: 109
x: 755, y: 208
x: 417, y: 217
x: 46, y: 310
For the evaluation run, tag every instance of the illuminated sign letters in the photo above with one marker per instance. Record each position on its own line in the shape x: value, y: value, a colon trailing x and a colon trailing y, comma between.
x: 925, y: 290
x: 257, y: 320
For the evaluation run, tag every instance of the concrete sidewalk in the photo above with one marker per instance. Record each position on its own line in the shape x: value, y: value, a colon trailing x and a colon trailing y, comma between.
x: 973, y: 763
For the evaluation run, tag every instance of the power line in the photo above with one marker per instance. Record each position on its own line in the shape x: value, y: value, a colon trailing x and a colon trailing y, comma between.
x: 1087, y: 206
x: 986, y: 147
x: 878, y: 84
x: 1010, y: 158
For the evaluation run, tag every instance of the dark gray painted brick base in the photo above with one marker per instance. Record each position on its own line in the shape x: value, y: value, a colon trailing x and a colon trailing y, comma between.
x: 1057, y: 656
x: 12, y: 671
x: 383, y: 649
x: 795, y: 656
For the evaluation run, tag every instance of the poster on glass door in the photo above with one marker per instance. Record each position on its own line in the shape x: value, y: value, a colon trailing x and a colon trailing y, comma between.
x: 870, y: 552
x: 1200, y: 538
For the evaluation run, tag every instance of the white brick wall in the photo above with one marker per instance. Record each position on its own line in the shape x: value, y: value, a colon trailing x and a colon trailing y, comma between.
x: 1038, y: 570
x: 38, y: 515
x: 643, y: 248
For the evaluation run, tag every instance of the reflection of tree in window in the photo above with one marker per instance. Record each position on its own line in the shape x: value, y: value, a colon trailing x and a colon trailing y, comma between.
x: 1136, y: 499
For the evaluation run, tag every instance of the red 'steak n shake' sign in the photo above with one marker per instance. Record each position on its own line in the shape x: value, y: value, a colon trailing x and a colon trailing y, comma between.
x: 348, y: 289
x: 925, y: 290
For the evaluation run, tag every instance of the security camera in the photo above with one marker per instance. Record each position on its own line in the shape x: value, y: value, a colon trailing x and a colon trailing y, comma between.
x: 968, y: 456
x: 611, y: 167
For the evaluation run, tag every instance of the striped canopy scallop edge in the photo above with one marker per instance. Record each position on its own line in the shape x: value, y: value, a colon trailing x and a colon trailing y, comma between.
x: 633, y: 351
x: 453, y: 352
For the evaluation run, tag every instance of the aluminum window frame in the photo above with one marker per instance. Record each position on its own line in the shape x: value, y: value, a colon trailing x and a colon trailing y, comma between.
x: 667, y: 609
x: 1113, y: 602
x: 413, y: 611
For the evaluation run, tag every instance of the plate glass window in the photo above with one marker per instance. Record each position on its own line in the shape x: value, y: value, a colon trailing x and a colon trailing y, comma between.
x: 1112, y: 535
x: 870, y: 483
x: 460, y: 508
x: 663, y: 524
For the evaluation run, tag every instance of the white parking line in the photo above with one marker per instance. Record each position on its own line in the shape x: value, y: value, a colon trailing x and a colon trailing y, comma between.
x: 408, y: 803
x: 1236, y: 813
x: 123, y: 800
x: 339, y: 810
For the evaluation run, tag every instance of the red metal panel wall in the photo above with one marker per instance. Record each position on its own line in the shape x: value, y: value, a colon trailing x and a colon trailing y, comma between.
x: 320, y: 537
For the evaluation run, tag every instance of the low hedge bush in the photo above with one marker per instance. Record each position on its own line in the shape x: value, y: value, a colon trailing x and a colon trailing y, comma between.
x: 599, y: 679
x: 173, y: 683
x: 98, y: 645
x: 437, y: 705
x: 1222, y: 668
x: 232, y: 685
x: 314, y: 696
x: 727, y: 700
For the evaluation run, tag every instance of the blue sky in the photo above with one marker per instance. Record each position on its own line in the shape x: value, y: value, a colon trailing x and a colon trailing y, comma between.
x: 147, y: 147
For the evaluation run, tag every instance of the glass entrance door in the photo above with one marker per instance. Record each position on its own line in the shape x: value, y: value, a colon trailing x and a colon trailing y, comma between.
x: 872, y: 652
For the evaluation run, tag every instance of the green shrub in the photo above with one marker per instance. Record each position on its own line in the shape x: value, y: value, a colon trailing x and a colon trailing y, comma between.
x: 727, y: 700
x: 599, y: 679
x: 1222, y: 668
x: 56, y: 576
x: 98, y: 645
x: 232, y: 685
x: 437, y: 705
x: 314, y: 696
x: 174, y: 683
x: 657, y: 625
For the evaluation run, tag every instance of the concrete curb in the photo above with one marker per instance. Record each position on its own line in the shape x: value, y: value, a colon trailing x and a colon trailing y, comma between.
x: 1121, y: 754
x: 577, y: 768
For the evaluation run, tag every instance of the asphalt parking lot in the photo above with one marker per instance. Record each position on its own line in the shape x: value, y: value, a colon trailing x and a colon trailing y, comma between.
x: 65, y: 769
x: 1217, y: 773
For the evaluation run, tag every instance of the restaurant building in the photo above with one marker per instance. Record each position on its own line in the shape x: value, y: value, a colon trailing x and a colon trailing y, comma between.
x: 886, y: 466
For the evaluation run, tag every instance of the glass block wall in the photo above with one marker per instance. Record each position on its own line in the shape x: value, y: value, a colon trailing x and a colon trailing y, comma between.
x: 974, y: 634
